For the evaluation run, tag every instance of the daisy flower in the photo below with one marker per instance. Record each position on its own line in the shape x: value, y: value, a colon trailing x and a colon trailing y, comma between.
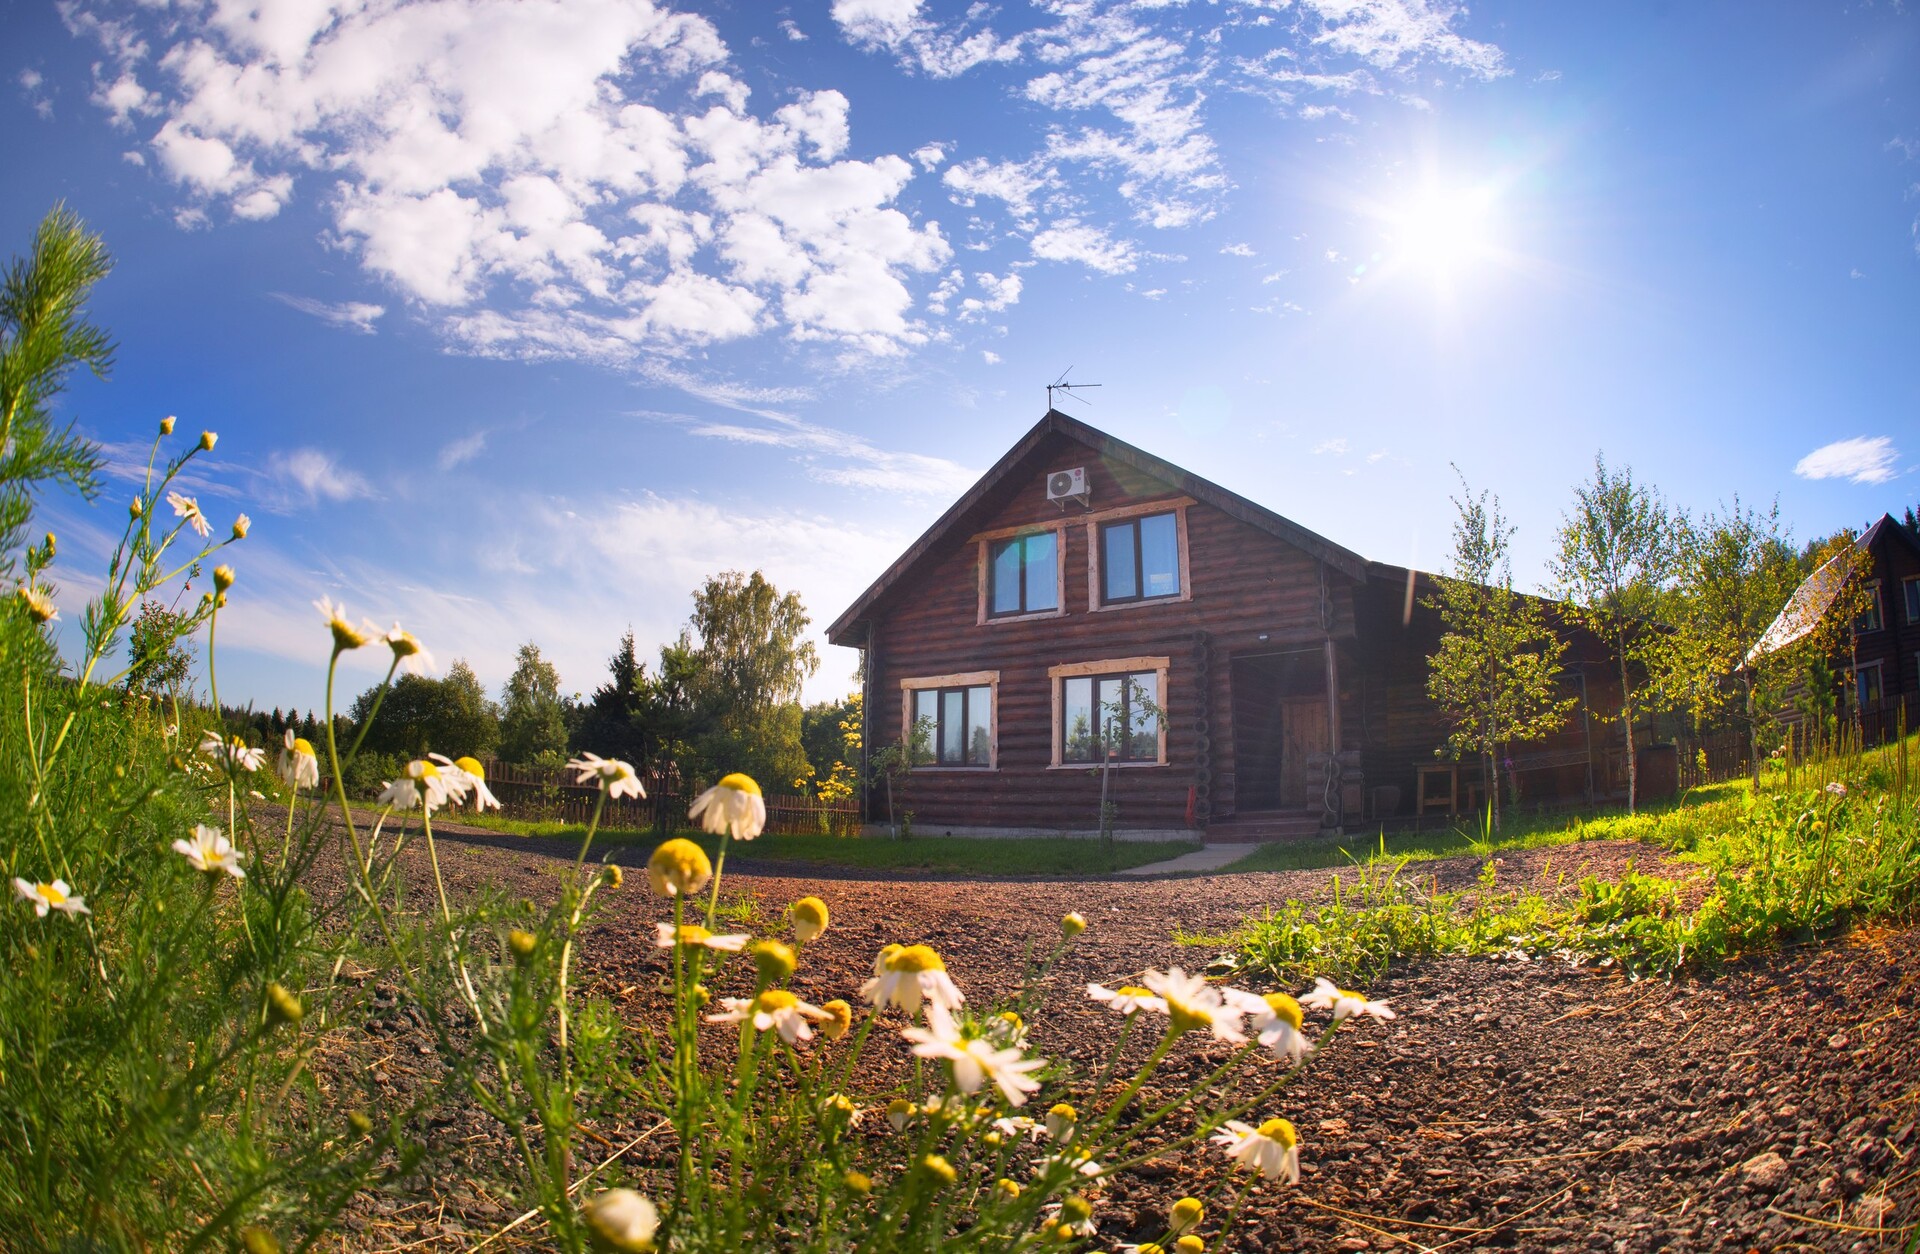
x: 1015, y: 1125
x: 1062, y: 1119
x: 1129, y: 999
x: 40, y: 607
x: 666, y: 936
x: 909, y: 975
x: 1326, y: 995
x: 733, y: 807
x: 975, y: 1061
x: 1272, y: 1149
x: 345, y: 634
x: 1080, y: 1162
x: 1184, y: 1216
x: 299, y: 765
x: 615, y: 776
x: 810, y: 918
x: 839, y: 1019
x: 210, y: 851
x: 232, y: 752
x: 241, y: 526
x: 473, y: 775
x: 1190, y: 1002
x: 424, y: 784
x: 624, y: 1220
x: 678, y: 868
x: 188, y: 508
x: 899, y: 1110
x: 1069, y: 1218
x: 1275, y: 1021
x: 55, y: 896
x: 409, y: 651
x: 774, y: 1008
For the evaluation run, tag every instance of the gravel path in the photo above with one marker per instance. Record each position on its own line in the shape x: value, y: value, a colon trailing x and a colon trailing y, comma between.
x: 1511, y: 1105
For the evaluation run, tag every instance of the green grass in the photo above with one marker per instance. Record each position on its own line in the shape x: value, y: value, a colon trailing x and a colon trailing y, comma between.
x: 954, y: 854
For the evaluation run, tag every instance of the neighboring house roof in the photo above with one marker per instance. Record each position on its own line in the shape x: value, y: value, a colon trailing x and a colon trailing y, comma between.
x: 1818, y: 591
x: 1055, y: 422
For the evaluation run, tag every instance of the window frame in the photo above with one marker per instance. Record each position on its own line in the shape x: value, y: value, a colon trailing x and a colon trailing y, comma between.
x: 959, y: 682
x: 991, y: 566
x: 1856, y: 674
x: 984, y: 543
x: 1910, y: 594
x: 1108, y: 668
x: 1099, y: 521
x: 1875, y: 608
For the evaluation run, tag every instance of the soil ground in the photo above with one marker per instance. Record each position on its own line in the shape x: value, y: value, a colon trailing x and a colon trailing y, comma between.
x: 1511, y: 1105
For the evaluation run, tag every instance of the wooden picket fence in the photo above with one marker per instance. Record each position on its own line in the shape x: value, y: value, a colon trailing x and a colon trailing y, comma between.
x: 553, y: 796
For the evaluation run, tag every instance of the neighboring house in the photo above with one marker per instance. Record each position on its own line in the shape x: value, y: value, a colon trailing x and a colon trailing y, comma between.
x: 1878, y: 662
x: 1283, y: 676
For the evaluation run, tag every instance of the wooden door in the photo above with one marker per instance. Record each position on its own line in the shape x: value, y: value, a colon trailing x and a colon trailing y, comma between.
x: 1303, y: 724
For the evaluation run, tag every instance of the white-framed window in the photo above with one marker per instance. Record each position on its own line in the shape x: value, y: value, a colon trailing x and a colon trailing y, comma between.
x: 950, y: 722
x: 1871, y: 619
x: 1022, y: 573
x: 1137, y: 555
x: 1110, y: 711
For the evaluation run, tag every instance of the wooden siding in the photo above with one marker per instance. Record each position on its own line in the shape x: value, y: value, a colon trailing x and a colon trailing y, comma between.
x: 1240, y: 583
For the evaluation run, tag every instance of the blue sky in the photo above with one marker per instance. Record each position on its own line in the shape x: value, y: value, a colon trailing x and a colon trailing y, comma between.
x: 517, y: 318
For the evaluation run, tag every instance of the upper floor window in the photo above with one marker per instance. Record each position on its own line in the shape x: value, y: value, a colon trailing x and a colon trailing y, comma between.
x: 1140, y: 558
x: 949, y: 719
x: 1911, y: 584
x: 1870, y: 619
x: 1023, y: 574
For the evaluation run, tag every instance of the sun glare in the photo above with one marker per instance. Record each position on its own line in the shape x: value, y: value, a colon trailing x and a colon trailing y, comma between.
x: 1445, y: 230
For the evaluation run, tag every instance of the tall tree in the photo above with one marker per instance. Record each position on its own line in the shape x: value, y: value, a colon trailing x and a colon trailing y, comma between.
x: 420, y: 715
x: 533, y: 714
x: 158, y: 662
x: 1612, y: 569
x: 745, y: 660
x: 1496, y: 673
x: 1734, y: 570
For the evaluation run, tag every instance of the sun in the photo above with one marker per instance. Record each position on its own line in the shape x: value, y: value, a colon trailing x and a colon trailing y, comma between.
x: 1445, y: 230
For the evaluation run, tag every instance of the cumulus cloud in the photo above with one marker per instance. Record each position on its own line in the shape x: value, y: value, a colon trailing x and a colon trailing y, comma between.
x: 1859, y: 460
x: 311, y: 476
x: 353, y: 315
x: 1090, y: 246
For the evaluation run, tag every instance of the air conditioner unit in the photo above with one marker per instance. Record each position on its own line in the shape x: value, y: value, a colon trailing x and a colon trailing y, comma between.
x: 1068, y: 485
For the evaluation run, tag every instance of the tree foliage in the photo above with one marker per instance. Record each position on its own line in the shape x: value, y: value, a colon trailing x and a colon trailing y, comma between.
x: 1495, y: 676
x: 158, y: 661
x: 742, y: 662
x: 533, y: 714
x: 1613, y: 569
x: 451, y: 716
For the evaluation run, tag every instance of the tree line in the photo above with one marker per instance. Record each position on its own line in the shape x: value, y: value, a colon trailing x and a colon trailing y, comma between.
x: 1678, y: 598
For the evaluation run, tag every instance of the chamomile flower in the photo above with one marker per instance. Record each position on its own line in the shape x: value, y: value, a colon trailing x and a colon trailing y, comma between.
x: 733, y: 807
x: 692, y: 935
x: 1184, y: 1216
x: 346, y: 635
x: 188, y: 508
x: 1016, y: 1125
x: 473, y: 775
x: 678, y: 868
x: 975, y: 1060
x: 1145, y: 1247
x: 210, y: 851
x: 1062, y: 1120
x: 423, y: 784
x: 233, y: 752
x: 299, y: 766
x: 1189, y: 1002
x: 772, y: 1008
x: 1129, y: 999
x: 910, y: 975
x: 43, y: 897
x: 899, y: 1110
x: 409, y: 651
x: 615, y: 776
x: 40, y: 607
x: 1275, y: 1021
x: 241, y: 526
x: 810, y: 918
x: 1327, y: 995
x: 1079, y: 1161
x: 839, y: 1019
x: 1272, y: 1149
x: 623, y: 1220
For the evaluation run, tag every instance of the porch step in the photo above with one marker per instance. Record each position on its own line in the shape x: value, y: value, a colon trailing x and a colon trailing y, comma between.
x: 1264, y: 826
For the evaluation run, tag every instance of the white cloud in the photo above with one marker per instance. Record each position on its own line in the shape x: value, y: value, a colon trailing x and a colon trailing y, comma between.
x: 463, y: 449
x: 1856, y: 273
x: 990, y: 357
x: 897, y: 26
x: 354, y: 315
x: 1336, y: 446
x: 1238, y: 250
x: 838, y: 457
x: 792, y: 31
x: 1859, y: 460
x: 317, y: 476
x: 1389, y: 34
x: 1089, y: 245
x: 1000, y: 293
x: 930, y: 155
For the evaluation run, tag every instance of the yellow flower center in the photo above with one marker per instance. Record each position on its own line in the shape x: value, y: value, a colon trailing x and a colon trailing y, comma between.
x: 693, y: 934
x: 1076, y: 1209
x: 740, y: 783
x: 404, y: 644
x: 841, y: 1019
x: 1285, y: 1009
x: 1184, y: 1018
x: 773, y: 1000
x: 1063, y: 1111
x: 1011, y: 1019
x: 679, y: 866
x: 1279, y: 1130
x: 914, y: 959
x: 420, y: 768
x: 1008, y: 1187
x: 471, y: 766
x: 301, y: 746
x: 52, y: 895
x: 1133, y: 990
x: 811, y: 911
x: 1187, y: 1212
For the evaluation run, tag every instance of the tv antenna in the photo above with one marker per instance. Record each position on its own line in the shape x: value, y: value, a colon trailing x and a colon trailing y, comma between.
x: 1070, y: 389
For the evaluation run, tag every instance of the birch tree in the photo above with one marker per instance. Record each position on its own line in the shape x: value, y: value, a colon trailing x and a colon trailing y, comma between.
x: 1496, y: 673
x: 1611, y: 570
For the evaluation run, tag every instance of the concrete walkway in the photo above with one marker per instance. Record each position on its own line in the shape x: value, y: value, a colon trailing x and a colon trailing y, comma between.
x: 1206, y: 858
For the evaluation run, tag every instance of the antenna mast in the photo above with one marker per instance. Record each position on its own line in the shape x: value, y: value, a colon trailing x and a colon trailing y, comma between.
x: 1068, y: 389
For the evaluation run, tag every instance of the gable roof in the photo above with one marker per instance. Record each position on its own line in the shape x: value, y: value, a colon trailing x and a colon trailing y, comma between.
x: 1818, y: 591
x: 1056, y: 423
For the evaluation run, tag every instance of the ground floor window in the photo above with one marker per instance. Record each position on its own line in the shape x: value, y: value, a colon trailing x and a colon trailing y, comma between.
x: 1112, y: 711
x: 947, y: 720
x: 1866, y: 686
